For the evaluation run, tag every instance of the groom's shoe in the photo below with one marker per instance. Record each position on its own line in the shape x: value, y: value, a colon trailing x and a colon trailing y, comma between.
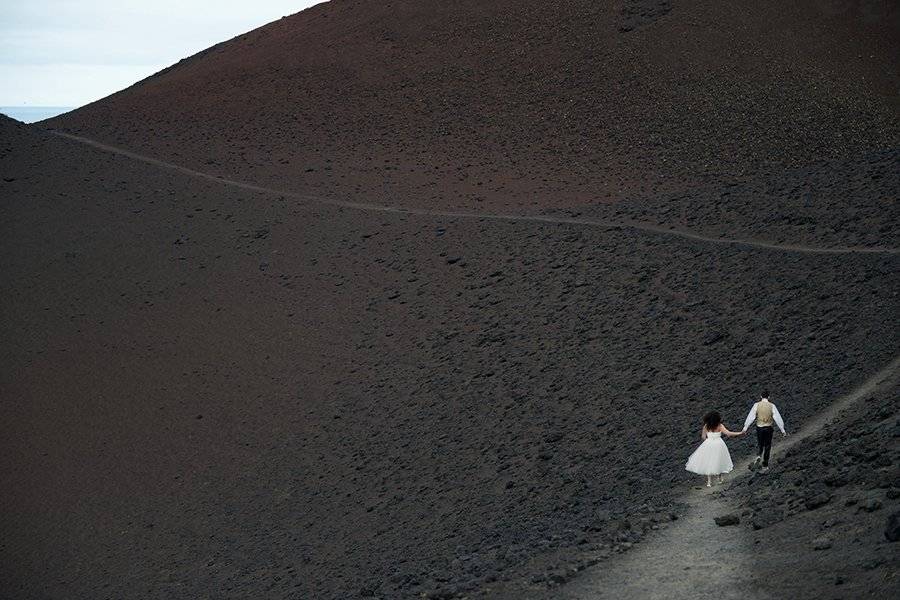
x: 756, y: 462
x: 764, y: 470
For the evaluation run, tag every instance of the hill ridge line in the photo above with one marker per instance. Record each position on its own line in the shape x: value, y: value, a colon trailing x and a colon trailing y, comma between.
x: 364, y: 206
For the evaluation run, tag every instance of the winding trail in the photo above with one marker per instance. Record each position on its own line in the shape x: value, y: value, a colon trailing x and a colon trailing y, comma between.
x: 694, y: 557
x: 634, y: 225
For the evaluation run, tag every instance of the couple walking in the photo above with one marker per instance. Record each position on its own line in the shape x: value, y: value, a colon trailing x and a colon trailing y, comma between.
x: 712, y: 457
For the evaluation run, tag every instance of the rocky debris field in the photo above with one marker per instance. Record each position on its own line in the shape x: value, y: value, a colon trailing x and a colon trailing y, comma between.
x: 847, y: 202
x: 824, y: 519
x: 212, y: 389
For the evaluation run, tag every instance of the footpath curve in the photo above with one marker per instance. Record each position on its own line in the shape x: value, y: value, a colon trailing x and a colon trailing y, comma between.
x: 635, y: 225
x: 694, y: 557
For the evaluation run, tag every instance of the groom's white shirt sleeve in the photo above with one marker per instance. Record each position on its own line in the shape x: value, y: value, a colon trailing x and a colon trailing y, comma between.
x: 752, y: 416
x: 777, y: 416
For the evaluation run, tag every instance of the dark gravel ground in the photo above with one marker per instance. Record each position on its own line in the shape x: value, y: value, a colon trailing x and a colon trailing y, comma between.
x: 642, y: 13
x: 825, y: 518
x: 209, y: 391
x: 847, y: 202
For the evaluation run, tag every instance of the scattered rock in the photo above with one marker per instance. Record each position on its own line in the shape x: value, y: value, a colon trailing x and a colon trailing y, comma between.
x: 821, y: 543
x: 818, y: 500
x: 594, y: 343
x: 713, y: 337
x: 871, y: 505
x: 727, y: 520
x: 558, y: 577
x: 766, y: 518
x: 892, y: 529
x: 445, y: 593
x: 835, y: 481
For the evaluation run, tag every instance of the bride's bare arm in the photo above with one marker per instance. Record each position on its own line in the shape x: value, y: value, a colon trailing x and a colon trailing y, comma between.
x: 724, y: 430
x: 703, y: 433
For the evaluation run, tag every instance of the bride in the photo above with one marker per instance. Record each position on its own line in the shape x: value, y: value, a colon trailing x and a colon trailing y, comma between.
x: 712, y: 457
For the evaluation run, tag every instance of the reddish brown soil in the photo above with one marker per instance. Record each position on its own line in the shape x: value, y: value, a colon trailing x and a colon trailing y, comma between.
x: 209, y: 391
x: 520, y: 104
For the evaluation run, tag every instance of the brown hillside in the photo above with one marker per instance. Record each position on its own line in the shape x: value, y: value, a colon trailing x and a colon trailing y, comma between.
x: 216, y: 391
x: 531, y: 104
x: 212, y: 391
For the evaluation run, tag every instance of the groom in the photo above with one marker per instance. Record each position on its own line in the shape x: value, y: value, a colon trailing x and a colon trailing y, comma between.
x: 765, y: 413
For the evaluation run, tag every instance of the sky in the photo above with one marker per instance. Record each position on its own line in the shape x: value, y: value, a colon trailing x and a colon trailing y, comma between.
x: 72, y: 52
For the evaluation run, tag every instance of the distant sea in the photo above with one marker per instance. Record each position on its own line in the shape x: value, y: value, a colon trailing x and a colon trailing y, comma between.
x: 30, y: 114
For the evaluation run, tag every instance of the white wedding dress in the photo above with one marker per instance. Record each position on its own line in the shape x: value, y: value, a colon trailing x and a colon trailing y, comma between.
x: 711, y: 458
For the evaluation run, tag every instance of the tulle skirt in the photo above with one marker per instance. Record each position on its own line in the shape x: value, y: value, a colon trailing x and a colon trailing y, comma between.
x: 711, y: 458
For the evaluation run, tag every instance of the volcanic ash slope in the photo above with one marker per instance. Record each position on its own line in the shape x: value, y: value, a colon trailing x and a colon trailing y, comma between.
x: 523, y: 104
x: 208, y: 390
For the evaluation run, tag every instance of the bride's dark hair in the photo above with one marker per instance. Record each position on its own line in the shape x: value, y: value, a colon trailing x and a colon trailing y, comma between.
x: 712, y: 420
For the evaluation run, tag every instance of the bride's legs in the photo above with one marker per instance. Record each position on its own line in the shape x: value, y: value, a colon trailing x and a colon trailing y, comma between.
x: 709, y: 481
x: 720, y: 478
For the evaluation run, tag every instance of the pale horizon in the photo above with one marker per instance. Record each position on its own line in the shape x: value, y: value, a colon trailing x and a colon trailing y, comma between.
x: 63, y: 54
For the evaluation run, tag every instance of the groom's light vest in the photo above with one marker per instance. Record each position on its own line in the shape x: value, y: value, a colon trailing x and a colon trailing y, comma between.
x: 764, y: 414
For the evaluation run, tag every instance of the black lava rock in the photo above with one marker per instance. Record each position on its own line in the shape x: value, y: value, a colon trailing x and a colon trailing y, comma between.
x: 727, y: 520
x: 818, y: 500
x: 892, y: 530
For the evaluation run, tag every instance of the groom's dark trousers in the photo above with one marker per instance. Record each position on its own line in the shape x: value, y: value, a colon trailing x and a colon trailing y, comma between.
x: 764, y: 443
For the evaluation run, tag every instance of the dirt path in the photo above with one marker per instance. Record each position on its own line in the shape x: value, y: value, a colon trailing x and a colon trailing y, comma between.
x: 638, y: 226
x: 694, y: 556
